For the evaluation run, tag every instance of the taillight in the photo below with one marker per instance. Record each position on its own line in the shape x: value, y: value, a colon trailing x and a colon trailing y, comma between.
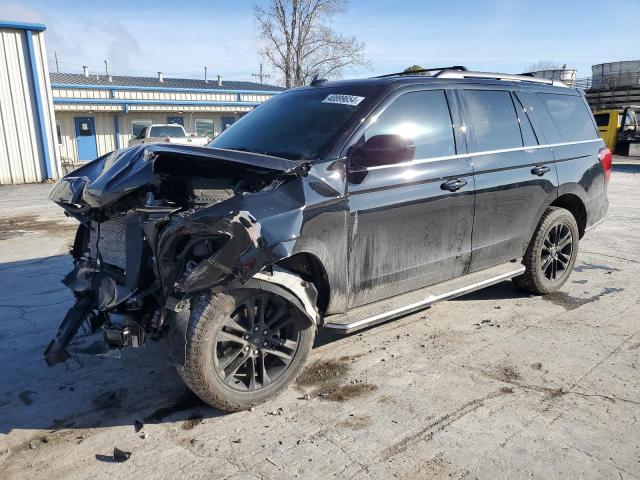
x: 605, y: 157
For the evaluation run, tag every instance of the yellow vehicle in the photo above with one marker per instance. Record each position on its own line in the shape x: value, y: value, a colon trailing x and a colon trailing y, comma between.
x: 618, y: 127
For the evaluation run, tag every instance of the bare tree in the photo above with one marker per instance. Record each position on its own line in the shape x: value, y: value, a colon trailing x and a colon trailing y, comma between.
x: 299, y: 44
x: 544, y: 65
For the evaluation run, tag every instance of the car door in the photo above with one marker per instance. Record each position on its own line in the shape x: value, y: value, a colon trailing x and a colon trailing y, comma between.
x: 515, y: 175
x: 410, y: 222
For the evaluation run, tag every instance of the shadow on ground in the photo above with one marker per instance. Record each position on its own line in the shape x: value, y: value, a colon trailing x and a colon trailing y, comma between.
x: 87, y: 391
x: 90, y: 391
x: 626, y: 167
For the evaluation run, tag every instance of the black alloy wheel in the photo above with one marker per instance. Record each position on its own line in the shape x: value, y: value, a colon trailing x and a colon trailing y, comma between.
x: 556, y: 252
x: 257, y: 343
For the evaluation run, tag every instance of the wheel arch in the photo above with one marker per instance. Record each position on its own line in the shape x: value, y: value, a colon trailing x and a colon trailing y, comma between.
x: 574, y: 204
x: 311, y: 269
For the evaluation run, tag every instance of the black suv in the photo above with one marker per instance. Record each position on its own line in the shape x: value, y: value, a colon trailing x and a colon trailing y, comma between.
x: 339, y: 205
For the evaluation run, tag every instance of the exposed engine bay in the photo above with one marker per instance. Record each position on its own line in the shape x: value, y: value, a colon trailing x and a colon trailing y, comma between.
x: 161, y: 224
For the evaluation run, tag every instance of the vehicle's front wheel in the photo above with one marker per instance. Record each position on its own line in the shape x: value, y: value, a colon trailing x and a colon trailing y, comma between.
x: 244, y: 347
x: 551, y: 254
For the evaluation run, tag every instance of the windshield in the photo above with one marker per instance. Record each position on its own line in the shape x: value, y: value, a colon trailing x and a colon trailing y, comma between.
x: 296, y: 125
x: 167, y: 131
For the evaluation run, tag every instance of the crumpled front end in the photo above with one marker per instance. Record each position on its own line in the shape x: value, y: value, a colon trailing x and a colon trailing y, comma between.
x: 160, y: 226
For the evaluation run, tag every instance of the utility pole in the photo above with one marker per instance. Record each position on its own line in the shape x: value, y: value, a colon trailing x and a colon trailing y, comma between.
x: 55, y: 54
x: 106, y: 67
x: 261, y: 75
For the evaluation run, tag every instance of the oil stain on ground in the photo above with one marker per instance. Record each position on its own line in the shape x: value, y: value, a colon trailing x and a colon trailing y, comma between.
x: 357, y: 422
x: 187, y: 401
x: 111, y: 400
x: 324, y: 371
x: 569, y: 302
x: 17, y: 226
x: 193, y: 421
x: 342, y: 393
x: 327, y: 376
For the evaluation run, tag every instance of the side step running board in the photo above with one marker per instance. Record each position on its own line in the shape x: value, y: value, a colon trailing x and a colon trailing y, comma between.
x: 385, y: 310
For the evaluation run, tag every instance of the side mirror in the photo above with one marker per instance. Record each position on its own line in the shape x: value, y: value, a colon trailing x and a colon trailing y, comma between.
x: 383, y: 150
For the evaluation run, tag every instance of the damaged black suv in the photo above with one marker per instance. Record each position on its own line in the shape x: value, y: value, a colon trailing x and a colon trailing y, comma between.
x: 339, y: 205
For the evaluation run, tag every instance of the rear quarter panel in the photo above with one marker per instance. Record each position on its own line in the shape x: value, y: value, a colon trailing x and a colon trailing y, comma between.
x: 580, y: 173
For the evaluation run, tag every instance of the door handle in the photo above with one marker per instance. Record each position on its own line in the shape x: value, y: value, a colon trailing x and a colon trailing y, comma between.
x: 453, y: 185
x: 540, y: 170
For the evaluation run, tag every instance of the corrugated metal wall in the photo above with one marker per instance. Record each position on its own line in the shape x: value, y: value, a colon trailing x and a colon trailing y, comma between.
x: 105, y: 128
x: 22, y: 152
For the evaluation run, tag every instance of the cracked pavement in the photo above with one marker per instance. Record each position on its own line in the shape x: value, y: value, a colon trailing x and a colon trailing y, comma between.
x: 496, y: 384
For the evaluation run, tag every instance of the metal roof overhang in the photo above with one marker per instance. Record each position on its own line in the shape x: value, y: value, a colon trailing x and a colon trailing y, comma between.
x: 157, y: 105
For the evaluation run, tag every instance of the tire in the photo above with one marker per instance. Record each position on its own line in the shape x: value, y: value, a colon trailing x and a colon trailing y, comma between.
x: 221, y: 327
x: 540, y: 277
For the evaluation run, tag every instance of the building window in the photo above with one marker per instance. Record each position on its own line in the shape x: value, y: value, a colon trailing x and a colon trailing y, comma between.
x: 138, y: 125
x: 204, y: 127
x: 59, y: 133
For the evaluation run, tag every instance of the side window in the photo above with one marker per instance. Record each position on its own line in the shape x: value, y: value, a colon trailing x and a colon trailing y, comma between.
x: 528, y: 135
x: 630, y: 121
x: 493, y: 119
x: 570, y: 115
x: 544, y: 126
x: 602, y: 119
x: 138, y: 125
x: 142, y: 133
x: 422, y: 117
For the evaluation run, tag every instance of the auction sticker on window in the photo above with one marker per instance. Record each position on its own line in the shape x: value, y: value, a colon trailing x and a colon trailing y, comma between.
x: 343, y: 99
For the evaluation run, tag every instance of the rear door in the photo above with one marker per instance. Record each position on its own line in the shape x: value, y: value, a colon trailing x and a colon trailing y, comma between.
x: 411, y: 223
x: 515, y: 175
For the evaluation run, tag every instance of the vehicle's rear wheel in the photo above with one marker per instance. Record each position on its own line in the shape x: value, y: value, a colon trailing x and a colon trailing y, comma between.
x: 244, y: 347
x: 551, y: 254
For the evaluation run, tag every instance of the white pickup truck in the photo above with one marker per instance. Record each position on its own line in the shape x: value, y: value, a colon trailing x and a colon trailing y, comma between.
x: 173, y: 133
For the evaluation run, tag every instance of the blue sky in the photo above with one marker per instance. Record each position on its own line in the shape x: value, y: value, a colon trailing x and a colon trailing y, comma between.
x: 177, y: 37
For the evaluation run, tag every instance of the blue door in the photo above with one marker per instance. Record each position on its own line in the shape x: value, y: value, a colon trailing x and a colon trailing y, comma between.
x: 86, y: 138
x: 176, y: 120
x: 226, y: 122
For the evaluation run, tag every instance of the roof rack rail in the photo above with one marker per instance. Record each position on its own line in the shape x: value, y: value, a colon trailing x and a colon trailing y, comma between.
x: 457, y: 68
x: 451, y: 73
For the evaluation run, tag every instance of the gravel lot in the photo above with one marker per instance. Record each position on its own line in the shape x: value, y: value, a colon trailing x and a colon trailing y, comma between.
x: 496, y: 384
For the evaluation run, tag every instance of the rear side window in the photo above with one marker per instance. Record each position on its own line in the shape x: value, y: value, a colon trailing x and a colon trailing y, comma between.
x: 602, y: 119
x: 570, y: 115
x: 422, y: 117
x: 494, y: 119
x: 167, y: 131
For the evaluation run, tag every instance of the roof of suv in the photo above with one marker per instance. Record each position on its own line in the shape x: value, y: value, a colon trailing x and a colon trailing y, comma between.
x: 446, y: 75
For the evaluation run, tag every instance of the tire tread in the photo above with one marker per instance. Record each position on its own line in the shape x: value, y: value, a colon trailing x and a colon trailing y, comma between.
x: 530, y: 281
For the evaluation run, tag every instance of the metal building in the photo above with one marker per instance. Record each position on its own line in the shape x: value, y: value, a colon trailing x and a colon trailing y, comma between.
x: 615, y: 85
x: 566, y: 75
x: 27, y: 124
x: 96, y: 114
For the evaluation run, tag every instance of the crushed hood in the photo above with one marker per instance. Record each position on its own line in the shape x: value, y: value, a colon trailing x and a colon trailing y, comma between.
x: 114, y: 175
